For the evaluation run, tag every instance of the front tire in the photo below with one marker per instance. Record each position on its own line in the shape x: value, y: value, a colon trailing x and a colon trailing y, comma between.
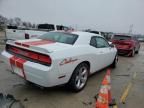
x: 114, y: 64
x: 79, y: 77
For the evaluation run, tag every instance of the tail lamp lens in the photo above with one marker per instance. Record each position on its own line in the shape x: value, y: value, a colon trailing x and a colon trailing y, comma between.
x: 32, y: 55
x: 45, y: 59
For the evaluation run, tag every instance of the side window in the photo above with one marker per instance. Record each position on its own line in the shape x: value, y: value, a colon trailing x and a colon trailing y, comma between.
x: 93, y: 41
x: 101, y: 43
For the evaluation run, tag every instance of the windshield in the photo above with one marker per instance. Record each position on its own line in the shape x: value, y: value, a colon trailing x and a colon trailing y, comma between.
x: 121, y: 37
x: 60, y: 37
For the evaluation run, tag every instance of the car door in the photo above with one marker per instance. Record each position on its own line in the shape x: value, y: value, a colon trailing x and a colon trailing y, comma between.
x: 104, y: 54
x: 106, y: 51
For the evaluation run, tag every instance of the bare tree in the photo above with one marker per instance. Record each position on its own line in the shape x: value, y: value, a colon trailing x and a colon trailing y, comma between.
x: 29, y: 24
x: 3, y: 20
x: 11, y: 21
x: 24, y: 24
x: 33, y: 25
x: 17, y: 21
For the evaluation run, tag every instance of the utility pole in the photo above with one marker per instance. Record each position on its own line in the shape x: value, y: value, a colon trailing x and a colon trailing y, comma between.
x: 130, y: 29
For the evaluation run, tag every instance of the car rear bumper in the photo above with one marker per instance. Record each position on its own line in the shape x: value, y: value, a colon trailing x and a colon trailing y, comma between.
x: 36, y: 73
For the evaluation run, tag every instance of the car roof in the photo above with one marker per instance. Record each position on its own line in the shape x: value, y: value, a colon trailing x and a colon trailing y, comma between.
x: 83, y: 37
x: 80, y: 33
x: 123, y: 35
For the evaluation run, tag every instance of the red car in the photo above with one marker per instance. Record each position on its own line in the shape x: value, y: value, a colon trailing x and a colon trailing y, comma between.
x: 126, y: 44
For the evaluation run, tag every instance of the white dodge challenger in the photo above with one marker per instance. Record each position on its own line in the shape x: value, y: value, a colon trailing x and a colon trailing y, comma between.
x: 57, y: 58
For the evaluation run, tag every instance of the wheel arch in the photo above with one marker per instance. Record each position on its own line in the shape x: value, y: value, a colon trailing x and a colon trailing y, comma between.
x: 86, y: 62
x: 71, y: 80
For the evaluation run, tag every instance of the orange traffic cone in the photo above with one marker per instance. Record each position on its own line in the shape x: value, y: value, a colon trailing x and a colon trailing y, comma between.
x: 109, y: 86
x: 103, y: 96
x: 104, y: 99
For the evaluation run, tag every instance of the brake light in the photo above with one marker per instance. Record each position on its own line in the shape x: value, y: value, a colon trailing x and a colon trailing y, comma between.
x: 130, y: 46
x: 15, y: 50
x: 45, y: 59
x: 33, y: 55
x: 27, y: 36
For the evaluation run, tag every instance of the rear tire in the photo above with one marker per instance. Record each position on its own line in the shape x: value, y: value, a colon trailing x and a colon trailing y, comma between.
x: 137, y: 51
x: 79, y: 77
x: 133, y: 53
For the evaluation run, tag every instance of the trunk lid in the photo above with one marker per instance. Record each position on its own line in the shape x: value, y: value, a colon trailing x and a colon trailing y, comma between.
x: 39, y: 45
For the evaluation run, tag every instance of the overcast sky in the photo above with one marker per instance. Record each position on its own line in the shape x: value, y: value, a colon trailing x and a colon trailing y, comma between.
x: 106, y: 15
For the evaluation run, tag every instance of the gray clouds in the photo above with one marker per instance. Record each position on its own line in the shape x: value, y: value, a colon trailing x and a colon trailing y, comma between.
x: 106, y: 15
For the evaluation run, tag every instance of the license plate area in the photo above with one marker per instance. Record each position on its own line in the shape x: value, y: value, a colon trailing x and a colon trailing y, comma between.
x: 18, y: 70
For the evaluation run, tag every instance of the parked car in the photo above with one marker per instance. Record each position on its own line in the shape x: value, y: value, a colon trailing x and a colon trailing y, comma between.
x: 60, y: 58
x: 126, y: 44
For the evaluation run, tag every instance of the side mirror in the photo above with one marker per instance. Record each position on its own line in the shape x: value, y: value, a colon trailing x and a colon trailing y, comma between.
x: 109, y: 42
x: 111, y: 45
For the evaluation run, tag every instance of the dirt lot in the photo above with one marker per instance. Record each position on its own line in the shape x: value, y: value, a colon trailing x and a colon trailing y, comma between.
x: 58, y: 97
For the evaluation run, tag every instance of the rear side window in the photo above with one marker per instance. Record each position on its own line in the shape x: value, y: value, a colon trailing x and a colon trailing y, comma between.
x: 98, y: 42
x: 93, y: 41
x: 121, y: 37
x: 101, y: 42
x: 60, y: 37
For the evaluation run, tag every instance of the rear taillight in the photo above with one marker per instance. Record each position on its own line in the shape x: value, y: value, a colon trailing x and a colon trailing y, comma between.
x: 38, y: 57
x: 130, y: 46
x: 27, y: 36
x: 33, y: 56
x: 45, y: 59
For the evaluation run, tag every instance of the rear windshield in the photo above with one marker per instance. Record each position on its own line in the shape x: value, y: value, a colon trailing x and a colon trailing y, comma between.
x: 121, y: 37
x: 60, y: 37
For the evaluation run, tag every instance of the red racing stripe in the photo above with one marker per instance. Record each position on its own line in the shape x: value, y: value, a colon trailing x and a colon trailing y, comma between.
x: 13, y: 59
x: 34, y: 43
x: 18, y: 62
